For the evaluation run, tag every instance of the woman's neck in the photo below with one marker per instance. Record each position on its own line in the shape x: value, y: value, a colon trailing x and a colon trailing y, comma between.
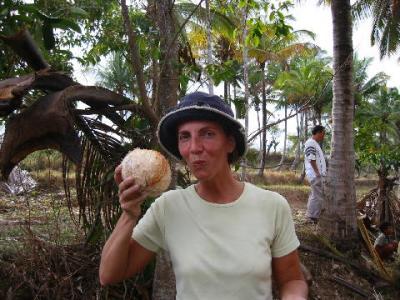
x: 222, y: 189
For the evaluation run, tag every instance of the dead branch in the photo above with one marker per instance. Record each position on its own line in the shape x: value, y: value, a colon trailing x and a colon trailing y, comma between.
x: 253, y: 135
x: 46, y: 124
x: 349, y: 285
x: 367, y: 273
x: 23, y: 44
x: 12, y: 90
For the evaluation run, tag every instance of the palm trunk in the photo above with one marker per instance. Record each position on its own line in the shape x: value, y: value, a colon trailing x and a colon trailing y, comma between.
x: 264, y: 123
x: 259, y: 128
x: 338, y: 219
x: 209, y: 47
x: 297, y: 155
x: 245, y: 83
x: 226, y: 90
x: 303, y: 140
x: 280, y: 166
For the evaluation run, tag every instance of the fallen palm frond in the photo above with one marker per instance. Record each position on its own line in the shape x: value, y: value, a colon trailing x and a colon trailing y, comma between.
x: 375, y: 257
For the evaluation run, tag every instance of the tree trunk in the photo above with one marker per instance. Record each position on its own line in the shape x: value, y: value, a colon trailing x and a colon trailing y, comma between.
x: 281, y: 163
x: 226, y: 94
x: 167, y: 88
x: 166, y: 97
x: 245, y: 83
x: 338, y: 219
x: 383, y: 214
x: 209, y: 47
x: 259, y: 128
x: 297, y: 155
x: 264, y: 123
x: 164, y: 286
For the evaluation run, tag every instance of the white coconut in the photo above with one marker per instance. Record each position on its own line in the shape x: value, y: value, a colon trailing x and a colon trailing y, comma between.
x: 149, y: 168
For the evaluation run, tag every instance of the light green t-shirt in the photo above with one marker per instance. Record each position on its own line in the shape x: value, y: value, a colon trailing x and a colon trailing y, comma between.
x: 220, y: 251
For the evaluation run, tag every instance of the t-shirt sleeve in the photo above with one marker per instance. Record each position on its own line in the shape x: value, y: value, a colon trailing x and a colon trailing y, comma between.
x: 285, y: 240
x: 310, y: 152
x: 149, y: 232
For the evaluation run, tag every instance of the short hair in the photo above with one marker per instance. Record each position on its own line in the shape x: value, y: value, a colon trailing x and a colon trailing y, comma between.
x: 317, y: 129
x: 384, y: 225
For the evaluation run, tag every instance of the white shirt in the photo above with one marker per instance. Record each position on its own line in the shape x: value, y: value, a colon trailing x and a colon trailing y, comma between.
x: 220, y: 251
x: 313, y: 151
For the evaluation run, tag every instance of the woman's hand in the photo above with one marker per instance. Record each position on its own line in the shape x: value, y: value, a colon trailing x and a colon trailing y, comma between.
x: 130, y: 194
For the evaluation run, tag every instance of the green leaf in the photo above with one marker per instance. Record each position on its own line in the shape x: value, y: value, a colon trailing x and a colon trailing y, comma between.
x: 28, y: 8
x: 66, y: 25
x: 77, y: 11
x: 48, y: 36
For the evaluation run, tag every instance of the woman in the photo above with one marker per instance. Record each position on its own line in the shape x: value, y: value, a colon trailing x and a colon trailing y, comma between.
x: 225, y: 237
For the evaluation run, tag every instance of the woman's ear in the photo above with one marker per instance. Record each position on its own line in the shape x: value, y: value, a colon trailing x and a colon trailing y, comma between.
x: 231, y: 143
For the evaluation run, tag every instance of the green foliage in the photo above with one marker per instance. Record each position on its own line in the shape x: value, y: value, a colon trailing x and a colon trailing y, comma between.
x: 240, y: 107
x: 116, y: 75
x: 48, y: 22
x: 252, y: 156
x: 377, y: 135
x: 227, y: 71
x: 43, y: 160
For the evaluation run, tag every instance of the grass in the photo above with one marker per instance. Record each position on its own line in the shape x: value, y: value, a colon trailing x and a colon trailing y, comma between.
x: 43, y: 213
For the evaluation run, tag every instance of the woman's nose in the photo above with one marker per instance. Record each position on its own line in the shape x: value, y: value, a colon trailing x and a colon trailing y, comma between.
x: 195, y: 145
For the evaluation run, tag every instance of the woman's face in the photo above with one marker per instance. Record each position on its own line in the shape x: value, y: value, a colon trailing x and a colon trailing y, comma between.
x: 205, y: 148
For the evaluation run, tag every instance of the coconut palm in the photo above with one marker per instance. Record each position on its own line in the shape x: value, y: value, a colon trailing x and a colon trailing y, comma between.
x: 364, y: 86
x: 273, y: 48
x: 338, y: 219
x: 306, y: 83
x: 385, y: 23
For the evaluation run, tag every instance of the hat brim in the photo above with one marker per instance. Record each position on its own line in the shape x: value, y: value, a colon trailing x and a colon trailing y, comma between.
x: 167, y: 131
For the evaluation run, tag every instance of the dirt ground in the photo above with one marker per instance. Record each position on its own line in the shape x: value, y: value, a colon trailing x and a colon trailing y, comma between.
x: 329, y: 276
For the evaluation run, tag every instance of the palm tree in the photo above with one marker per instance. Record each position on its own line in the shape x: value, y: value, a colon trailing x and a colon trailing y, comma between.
x: 385, y: 23
x: 209, y: 46
x: 273, y: 48
x: 305, y: 83
x: 365, y: 86
x: 115, y: 75
x: 338, y: 219
x: 378, y: 141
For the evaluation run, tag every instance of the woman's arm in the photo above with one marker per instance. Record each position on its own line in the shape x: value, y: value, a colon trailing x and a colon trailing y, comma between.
x: 122, y: 257
x: 289, y: 277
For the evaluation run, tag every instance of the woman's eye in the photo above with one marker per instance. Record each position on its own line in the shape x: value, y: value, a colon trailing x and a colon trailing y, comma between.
x: 209, y: 134
x: 183, y: 137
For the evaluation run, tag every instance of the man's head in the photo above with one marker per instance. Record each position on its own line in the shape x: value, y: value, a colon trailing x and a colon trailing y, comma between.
x: 318, y: 133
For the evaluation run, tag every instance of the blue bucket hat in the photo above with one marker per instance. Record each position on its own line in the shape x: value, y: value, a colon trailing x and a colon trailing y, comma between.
x: 200, y: 106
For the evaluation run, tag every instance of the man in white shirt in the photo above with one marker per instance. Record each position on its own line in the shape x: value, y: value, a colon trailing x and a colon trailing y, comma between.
x: 315, y: 168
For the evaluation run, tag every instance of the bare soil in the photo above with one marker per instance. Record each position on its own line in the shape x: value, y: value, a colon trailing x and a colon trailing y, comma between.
x: 46, y: 215
x: 330, y: 276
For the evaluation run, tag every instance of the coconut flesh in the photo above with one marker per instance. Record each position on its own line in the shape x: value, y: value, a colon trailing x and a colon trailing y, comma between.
x: 149, y: 168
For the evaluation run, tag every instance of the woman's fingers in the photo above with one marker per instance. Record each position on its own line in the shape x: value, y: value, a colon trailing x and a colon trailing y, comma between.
x: 118, y: 174
x: 130, y: 192
x: 131, y: 197
x: 126, y: 184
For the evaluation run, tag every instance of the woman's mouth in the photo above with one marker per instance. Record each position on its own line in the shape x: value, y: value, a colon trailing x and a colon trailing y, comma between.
x: 198, y: 163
